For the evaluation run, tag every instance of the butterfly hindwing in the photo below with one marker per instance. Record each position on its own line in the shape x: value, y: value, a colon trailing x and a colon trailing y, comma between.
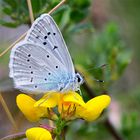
x: 35, y: 68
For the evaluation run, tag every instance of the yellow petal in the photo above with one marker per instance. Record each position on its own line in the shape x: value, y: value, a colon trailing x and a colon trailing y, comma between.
x: 73, y: 97
x: 49, y: 100
x: 93, y: 108
x: 26, y: 105
x: 68, y: 103
x: 38, y: 133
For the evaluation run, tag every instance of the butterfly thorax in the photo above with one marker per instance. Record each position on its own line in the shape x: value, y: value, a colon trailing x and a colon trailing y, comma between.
x: 72, y: 83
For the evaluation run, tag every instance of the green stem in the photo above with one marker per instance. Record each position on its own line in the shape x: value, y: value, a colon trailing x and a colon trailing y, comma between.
x: 62, y: 136
x: 63, y: 133
x: 58, y: 137
x: 60, y: 129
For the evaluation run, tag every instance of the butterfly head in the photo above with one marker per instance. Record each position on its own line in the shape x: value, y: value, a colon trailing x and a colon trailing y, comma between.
x: 78, y: 81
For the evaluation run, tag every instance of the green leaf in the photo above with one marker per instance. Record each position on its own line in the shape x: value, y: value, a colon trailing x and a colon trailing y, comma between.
x: 7, y: 10
x: 11, y: 3
x: 65, y: 19
x: 9, y: 24
x: 78, y: 15
x: 81, y: 26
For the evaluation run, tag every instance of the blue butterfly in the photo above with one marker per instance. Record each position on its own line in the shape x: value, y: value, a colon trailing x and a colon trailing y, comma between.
x: 41, y: 62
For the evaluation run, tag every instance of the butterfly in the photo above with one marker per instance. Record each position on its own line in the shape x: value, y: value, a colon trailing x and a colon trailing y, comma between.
x: 41, y: 62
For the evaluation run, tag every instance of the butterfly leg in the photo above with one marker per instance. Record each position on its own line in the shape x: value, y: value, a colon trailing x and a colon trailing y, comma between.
x: 48, y: 96
x: 80, y: 92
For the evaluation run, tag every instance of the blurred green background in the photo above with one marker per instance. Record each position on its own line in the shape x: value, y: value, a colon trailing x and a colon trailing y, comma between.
x: 103, y: 40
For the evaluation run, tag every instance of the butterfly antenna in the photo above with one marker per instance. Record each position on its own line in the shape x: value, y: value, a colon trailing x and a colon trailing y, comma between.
x: 102, y: 67
x: 45, y: 99
x: 97, y: 80
x: 48, y: 96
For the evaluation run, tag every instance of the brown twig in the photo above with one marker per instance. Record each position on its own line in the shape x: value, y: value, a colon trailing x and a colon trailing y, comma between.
x: 10, y: 117
x: 13, y: 44
x: 112, y: 130
x: 16, y: 136
x: 57, y: 6
x: 107, y: 123
x: 30, y: 11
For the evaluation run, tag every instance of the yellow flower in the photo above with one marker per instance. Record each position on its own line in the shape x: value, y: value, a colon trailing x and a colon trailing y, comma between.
x: 68, y: 103
x: 70, y: 106
x: 38, y: 133
x: 93, y: 108
x: 26, y: 105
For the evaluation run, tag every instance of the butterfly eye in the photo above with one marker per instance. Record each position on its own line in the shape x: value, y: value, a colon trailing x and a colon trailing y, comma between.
x: 78, y: 79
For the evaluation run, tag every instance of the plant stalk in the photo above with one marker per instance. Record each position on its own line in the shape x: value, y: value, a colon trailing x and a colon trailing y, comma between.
x: 16, y: 136
x: 10, y: 117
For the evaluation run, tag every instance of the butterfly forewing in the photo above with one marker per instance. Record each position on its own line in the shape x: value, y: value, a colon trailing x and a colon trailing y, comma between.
x: 45, y: 32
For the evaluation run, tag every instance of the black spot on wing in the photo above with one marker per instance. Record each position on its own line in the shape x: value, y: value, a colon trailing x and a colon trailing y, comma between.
x: 55, y: 47
x: 45, y: 37
x: 31, y: 79
x: 44, y: 43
